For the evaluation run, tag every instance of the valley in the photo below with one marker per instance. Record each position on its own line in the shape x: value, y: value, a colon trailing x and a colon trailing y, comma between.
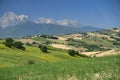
x: 98, y: 57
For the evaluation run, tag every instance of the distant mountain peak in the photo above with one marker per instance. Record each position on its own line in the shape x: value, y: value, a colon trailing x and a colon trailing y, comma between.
x: 11, y: 19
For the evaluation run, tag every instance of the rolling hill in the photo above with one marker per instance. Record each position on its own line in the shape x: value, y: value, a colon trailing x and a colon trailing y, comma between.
x: 98, y: 58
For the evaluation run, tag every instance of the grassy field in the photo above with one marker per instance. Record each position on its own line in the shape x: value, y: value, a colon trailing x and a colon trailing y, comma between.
x: 104, y: 68
x: 14, y: 57
x: 57, y: 64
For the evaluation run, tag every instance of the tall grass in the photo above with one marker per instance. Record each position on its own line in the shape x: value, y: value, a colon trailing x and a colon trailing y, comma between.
x: 104, y: 68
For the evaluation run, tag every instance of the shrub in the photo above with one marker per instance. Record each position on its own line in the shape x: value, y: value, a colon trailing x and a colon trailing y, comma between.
x: 8, y: 42
x: 43, y: 36
x: 43, y: 48
x: 73, y: 52
x: 31, y: 62
x: 18, y: 45
x: 53, y: 37
x: 28, y: 44
x: 33, y: 42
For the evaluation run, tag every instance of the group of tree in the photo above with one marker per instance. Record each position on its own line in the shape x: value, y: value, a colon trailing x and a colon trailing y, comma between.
x: 48, y: 36
x: 9, y: 42
x: 31, y: 44
x: 72, y: 52
x: 43, y: 48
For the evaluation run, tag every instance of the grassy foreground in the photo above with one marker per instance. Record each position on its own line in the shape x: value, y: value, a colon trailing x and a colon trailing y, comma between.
x: 103, y: 68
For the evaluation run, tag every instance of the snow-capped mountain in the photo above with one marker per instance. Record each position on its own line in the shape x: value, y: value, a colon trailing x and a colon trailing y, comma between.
x: 12, y: 25
x: 11, y: 19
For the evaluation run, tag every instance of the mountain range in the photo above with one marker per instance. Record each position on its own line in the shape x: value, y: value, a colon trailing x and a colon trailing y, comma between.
x: 12, y: 25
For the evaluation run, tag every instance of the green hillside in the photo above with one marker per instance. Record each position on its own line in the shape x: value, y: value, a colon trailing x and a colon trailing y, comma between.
x: 12, y: 57
x: 56, y: 64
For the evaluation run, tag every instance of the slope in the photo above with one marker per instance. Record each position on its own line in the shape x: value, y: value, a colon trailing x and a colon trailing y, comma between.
x: 15, y: 57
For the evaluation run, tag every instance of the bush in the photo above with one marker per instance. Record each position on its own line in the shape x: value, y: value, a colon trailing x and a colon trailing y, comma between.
x: 43, y: 48
x: 31, y: 62
x: 43, y: 36
x: 28, y: 44
x: 33, y: 42
x: 53, y: 37
x: 8, y: 42
x: 73, y: 52
x: 18, y: 45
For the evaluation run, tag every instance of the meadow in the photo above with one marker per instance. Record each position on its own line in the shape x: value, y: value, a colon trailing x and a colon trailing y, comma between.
x: 14, y: 57
x: 57, y: 64
x: 103, y: 68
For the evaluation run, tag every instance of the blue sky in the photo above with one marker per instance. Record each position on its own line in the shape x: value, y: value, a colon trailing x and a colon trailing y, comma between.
x: 98, y: 13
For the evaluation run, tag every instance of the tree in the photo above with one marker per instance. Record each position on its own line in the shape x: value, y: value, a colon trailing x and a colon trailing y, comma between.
x: 44, y: 36
x: 8, y: 42
x: 72, y: 52
x: 43, y: 48
x: 18, y: 45
x: 28, y: 44
x: 33, y: 42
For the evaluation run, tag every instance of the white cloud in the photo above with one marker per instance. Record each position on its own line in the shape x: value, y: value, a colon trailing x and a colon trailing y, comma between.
x: 10, y: 19
x: 45, y: 20
x: 22, y: 17
x: 65, y: 22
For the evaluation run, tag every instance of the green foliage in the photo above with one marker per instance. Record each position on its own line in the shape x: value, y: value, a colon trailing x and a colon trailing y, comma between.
x: 8, y: 42
x: 47, y: 42
x: 104, y: 68
x: 43, y: 48
x: 18, y: 45
x: 43, y: 36
x: 31, y: 62
x: 28, y: 44
x: 117, y: 43
x: 48, y: 36
x: 53, y: 37
x: 73, y: 52
x: 34, y: 42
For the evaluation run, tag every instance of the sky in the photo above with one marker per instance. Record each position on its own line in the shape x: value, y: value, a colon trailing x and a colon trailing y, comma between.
x: 97, y: 13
